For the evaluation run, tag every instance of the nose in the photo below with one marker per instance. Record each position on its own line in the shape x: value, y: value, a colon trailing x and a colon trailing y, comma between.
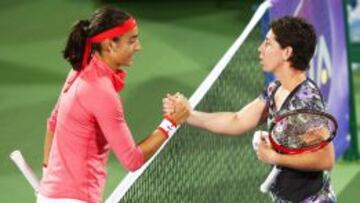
x: 260, y: 47
x: 138, y: 46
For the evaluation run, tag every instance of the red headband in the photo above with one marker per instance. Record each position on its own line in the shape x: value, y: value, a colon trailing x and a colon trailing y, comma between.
x: 108, y: 34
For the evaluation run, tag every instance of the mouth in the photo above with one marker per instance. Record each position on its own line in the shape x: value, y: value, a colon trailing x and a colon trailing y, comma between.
x: 260, y: 60
x: 130, y: 58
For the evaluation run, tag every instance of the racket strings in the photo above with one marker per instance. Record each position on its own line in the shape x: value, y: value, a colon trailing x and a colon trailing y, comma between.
x: 303, y: 130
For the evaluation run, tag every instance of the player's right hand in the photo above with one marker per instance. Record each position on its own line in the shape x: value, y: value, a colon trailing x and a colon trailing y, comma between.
x: 177, y: 107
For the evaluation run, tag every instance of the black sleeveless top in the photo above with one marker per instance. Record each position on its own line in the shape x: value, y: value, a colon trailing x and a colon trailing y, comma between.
x: 292, y: 184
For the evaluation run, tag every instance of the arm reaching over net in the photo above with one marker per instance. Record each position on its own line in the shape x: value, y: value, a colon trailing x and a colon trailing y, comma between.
x: 227, y: 123
x: 150, y: 145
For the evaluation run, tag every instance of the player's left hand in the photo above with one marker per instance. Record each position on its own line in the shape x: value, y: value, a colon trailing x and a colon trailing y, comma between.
x: 266, y: 153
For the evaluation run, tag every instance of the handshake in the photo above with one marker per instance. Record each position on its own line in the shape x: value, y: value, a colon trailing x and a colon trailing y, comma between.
x: 176, y: 107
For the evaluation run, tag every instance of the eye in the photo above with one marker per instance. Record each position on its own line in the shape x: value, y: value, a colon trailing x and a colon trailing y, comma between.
x: 267, y: 43
x: 133, y: 40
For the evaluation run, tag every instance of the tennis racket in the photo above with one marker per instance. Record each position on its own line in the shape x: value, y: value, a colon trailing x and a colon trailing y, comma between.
x: 299, y: 131
x: 25, y: 169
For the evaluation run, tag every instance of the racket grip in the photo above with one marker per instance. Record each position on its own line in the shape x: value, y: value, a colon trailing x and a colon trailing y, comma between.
x: 265, y: 186
x: 25, y: 169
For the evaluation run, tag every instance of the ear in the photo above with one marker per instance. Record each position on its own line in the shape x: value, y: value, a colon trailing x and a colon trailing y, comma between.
x: 287, y: 53
x: 107, y: 46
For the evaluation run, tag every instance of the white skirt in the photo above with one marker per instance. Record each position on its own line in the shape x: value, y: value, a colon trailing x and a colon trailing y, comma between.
x: 43, y: 199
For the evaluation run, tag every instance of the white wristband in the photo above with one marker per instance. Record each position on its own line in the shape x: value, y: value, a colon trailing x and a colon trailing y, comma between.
x: 257, y: 137
x: 167, y: 126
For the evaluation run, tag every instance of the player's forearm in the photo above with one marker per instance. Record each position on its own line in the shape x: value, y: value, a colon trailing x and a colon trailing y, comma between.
x: 219, y: 122
x: 323, y: 159
x: 151, y: 144
x: 47, y: 145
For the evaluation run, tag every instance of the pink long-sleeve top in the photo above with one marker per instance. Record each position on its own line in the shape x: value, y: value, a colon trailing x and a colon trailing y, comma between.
x: 87, y: 122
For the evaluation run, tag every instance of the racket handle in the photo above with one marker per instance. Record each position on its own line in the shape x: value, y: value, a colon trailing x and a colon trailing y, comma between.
x: 25, y: 169
x: 265, y: 186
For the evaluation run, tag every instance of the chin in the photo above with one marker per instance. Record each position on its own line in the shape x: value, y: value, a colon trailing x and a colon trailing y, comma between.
x: 267, y: 70
x: 127, y: 64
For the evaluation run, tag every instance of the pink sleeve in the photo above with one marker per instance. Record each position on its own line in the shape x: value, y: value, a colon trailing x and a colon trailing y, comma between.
x: 108, y: 112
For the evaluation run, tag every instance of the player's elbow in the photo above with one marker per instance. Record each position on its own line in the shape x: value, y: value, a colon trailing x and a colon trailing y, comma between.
x: 132, y: 166
x: 328, y: 163
x: 232, y: 127
x: 325, y: 164
x: 327, y: 157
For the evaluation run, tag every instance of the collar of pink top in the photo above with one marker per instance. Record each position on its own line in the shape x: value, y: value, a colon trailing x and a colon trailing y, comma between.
x: 117, y: 76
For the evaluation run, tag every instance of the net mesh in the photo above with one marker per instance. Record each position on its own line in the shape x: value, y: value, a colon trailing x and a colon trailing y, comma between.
x: 198, y: 166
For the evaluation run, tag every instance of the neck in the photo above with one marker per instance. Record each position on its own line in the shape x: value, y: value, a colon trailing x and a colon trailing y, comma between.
x: 108, y: 60
x: 290, y: 77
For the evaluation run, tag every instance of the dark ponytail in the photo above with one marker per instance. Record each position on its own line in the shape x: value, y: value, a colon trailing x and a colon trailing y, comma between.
x: 101, y: 20
x: 76, y: 43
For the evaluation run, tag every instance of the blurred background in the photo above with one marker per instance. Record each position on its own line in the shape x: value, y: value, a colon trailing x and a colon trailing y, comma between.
x: 181, y: 40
